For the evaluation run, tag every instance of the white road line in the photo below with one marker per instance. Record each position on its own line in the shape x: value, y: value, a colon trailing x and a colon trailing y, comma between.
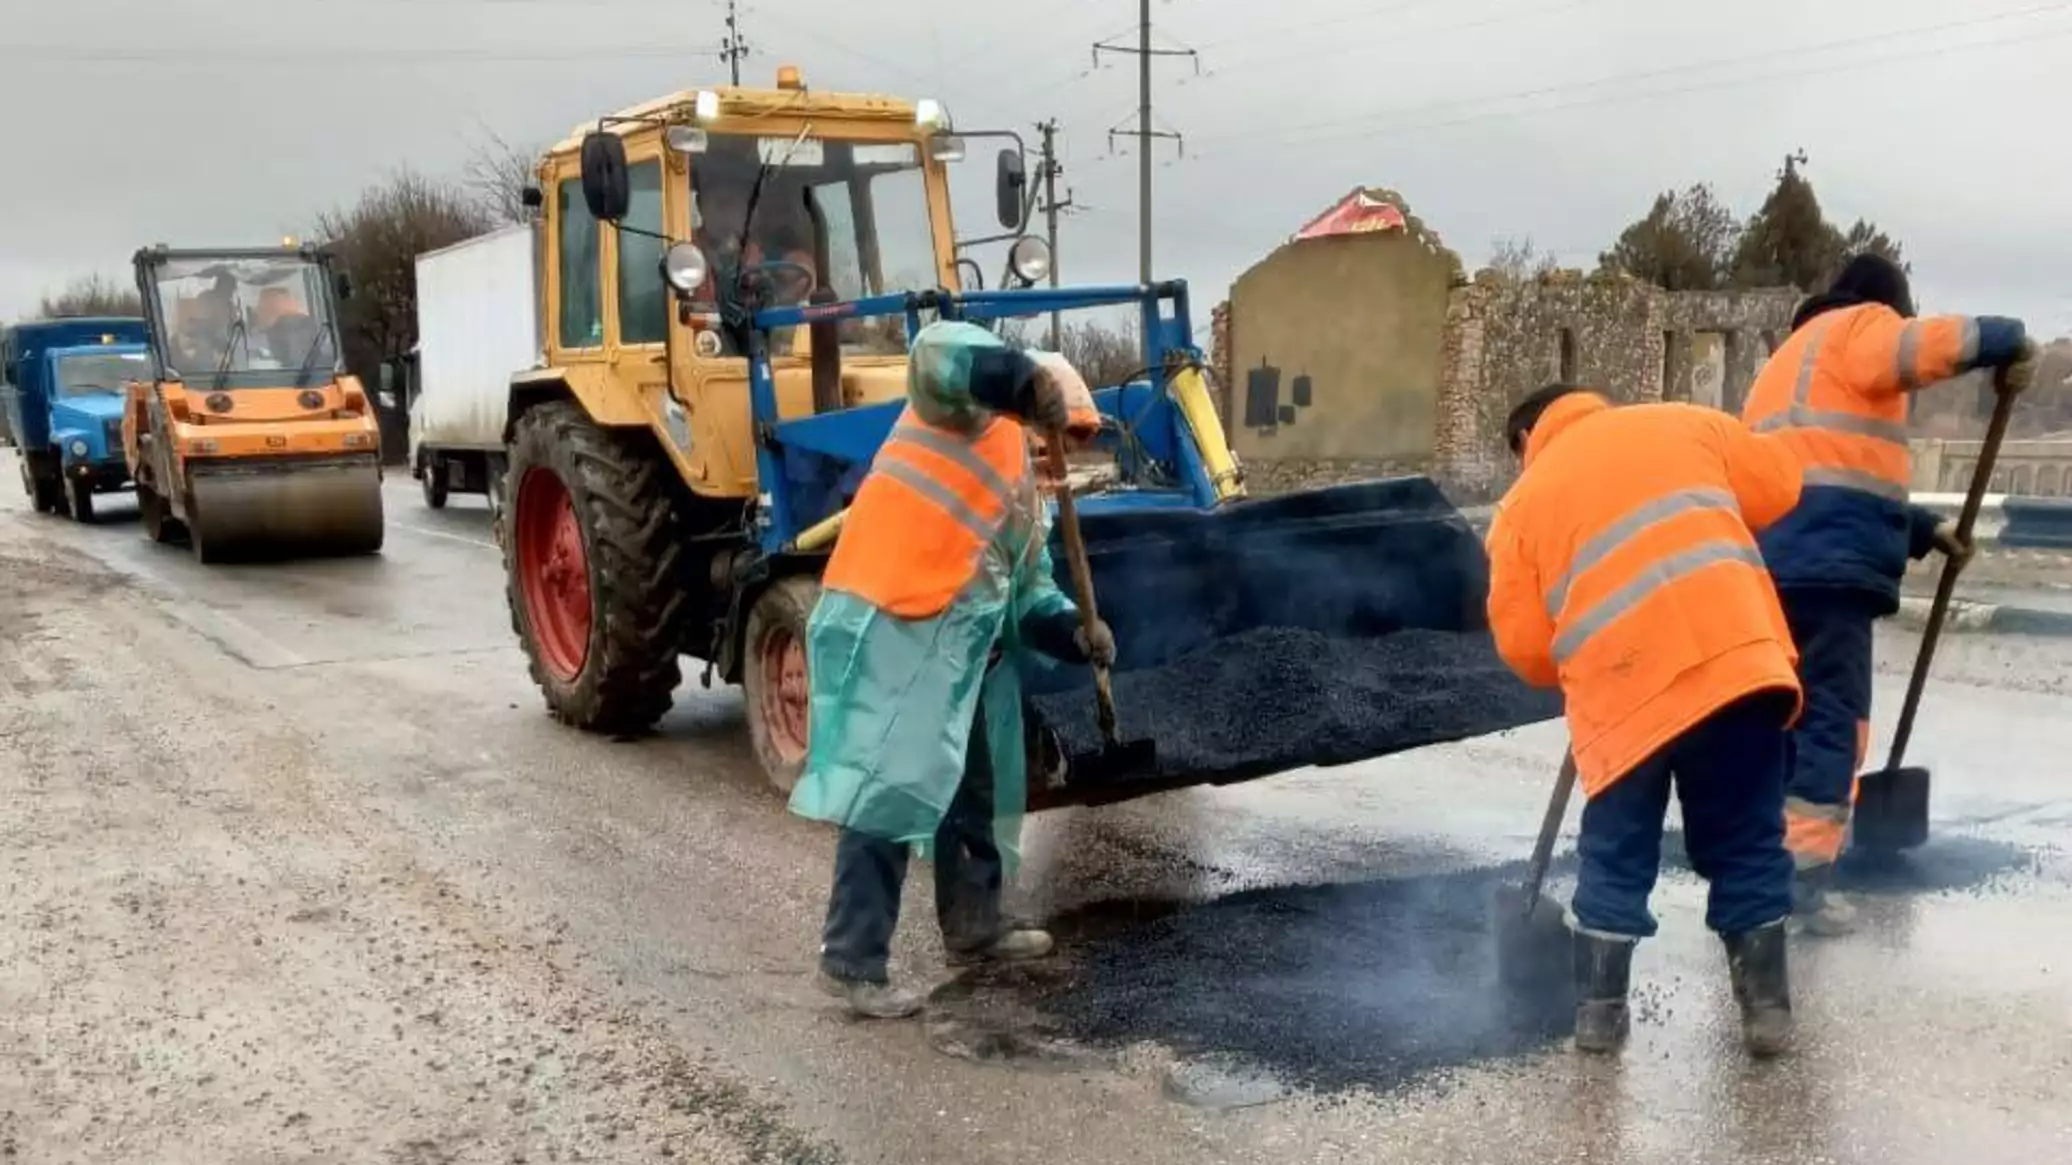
x: 428, y: 532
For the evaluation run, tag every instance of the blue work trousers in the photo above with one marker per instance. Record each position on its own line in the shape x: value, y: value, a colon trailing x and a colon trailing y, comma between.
x: 863, y: 910
x: 1833, y: 630
x: 1728, y: 772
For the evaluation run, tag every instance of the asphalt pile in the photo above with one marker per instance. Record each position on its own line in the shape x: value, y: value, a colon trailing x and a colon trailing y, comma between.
x: 1377, y: 985
x: 1278, y: 698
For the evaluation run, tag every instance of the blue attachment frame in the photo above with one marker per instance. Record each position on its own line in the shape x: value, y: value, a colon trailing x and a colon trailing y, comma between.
x: 807, y: 467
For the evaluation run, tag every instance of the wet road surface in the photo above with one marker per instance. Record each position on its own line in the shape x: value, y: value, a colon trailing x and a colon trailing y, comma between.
x: 1291, y: 970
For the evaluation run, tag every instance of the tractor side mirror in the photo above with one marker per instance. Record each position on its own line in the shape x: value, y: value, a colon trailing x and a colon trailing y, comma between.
x: 605, y: 188
x: 1010, y: 182
x: 531, y: 197
x: 342, y: 286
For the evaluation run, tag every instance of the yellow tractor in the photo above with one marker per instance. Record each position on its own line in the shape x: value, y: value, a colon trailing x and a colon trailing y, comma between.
x: 727, y: 283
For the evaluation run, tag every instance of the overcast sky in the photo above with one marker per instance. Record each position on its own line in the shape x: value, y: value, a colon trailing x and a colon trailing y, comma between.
x: 199, y: 122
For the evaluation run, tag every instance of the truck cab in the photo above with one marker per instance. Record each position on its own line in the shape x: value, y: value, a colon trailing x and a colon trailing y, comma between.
x: 64, y: 385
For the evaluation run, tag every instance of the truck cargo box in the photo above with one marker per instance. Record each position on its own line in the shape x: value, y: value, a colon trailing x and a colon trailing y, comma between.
x: 477, y: 315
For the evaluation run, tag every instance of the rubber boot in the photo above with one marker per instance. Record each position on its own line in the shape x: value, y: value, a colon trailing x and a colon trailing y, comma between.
x: 867, y: 1000
x: 1016, y: 945
x: 1762, y: 986
x: 1604, y: 969
x: 1816, y: 908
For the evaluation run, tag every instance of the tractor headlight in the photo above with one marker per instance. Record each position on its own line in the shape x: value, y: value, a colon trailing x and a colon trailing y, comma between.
x: 78, y: 448
x: 946, y: 148
x: 684, y: 267
x: 1029, y: 259
x: 684, y: 139
x: 706, y: 106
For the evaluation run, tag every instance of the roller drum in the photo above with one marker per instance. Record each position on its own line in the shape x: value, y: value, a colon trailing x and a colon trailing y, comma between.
x: 285, y: 508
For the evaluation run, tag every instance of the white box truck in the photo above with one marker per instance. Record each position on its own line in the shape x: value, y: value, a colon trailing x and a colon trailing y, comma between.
x: 477, y: 324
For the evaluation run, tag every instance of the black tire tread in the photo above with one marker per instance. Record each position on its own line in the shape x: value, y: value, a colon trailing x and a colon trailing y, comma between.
x: 631, y: 530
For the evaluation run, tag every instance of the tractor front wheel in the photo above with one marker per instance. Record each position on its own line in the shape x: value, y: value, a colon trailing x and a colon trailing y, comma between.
x: 591, y: 545
x: 774, y: 678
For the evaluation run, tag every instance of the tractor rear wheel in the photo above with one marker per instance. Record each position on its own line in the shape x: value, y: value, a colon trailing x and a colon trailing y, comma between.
x: 591, y: 548
x: 773, y: 678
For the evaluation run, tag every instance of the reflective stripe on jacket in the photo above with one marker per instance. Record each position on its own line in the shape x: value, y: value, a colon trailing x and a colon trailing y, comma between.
x: 1623, y: 570
x: 1836, y: 393
x: 933, y: 501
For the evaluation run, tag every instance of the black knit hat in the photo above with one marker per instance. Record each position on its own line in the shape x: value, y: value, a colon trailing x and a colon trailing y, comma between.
x: 1867, y: 278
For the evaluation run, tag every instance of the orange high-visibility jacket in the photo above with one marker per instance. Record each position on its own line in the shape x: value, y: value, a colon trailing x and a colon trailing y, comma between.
x: 931, y: 504
x: 1624, y: 570
x: 1836, y: 393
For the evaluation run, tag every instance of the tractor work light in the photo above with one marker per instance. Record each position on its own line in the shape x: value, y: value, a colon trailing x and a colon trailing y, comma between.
x: 946, y: 148
x: 1029, y: 259
x: 684, y: 139
x: 78, y: 448
x: 684, y: 267
x: 929, y: 114
x: 706, y: 106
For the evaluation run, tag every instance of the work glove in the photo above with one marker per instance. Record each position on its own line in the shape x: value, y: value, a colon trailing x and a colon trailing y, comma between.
x: 2022, y: 372
x: 1096, y: 643
x: 1953, y: 547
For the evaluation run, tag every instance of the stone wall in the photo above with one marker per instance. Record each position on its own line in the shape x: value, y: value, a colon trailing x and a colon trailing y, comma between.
x: 1627, y: 338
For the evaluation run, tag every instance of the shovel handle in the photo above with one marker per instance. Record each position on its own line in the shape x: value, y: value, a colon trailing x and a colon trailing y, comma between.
x: 1550, y: 826
x: 1082, y: 577
x: 1946, y: 586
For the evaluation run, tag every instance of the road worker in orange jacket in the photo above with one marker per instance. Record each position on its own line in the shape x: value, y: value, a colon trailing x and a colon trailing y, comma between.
x: 1836, y: 394
x: 1624, y: 570
x: 940, y: 582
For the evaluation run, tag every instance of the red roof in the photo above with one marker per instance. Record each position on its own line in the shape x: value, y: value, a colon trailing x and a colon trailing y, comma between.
x: 1356, y: 214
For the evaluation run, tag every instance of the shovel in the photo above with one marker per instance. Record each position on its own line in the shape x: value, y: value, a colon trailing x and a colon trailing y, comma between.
x: 1532, y: 936
x: 1118, y: 758
x: 1892, y: 803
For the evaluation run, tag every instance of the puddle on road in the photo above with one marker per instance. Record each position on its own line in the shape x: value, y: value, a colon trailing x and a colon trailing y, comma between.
x: 1266, y: 992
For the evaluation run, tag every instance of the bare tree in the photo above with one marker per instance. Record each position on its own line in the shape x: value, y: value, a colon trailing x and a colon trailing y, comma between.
x: 377, y: 241
x: 91, y: 295
x: 496, y: 175
x: 1519, y: 258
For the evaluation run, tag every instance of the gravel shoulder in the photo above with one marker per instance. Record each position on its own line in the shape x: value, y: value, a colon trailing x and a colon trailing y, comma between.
x: 209, y: 953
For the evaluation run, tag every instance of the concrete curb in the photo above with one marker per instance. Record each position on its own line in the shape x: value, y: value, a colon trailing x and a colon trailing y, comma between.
x: 1968, y: 616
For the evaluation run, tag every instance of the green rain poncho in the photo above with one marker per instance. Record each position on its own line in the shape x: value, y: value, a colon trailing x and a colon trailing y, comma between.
x: 893, y: 699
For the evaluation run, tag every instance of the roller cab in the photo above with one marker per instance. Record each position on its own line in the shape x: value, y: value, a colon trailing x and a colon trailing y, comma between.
x: 248, y: 441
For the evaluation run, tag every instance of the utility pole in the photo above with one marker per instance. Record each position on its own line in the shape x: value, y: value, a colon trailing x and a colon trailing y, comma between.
x: 1051, y: 172
x: 1146, y: 128
x: 733, y: 49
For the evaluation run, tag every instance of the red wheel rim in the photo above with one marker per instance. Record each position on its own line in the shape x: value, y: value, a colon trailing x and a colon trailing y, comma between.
x: 553, y: 573
x: 784, y: 696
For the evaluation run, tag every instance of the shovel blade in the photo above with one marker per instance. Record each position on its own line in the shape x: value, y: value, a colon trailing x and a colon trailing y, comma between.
x: 1533, y: 947
x: 1891, y: 810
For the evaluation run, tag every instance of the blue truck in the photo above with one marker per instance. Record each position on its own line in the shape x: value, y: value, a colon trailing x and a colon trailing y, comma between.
x: 63, y: 384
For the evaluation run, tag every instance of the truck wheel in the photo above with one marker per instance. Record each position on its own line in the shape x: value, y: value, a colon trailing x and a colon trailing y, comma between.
x: 79, y: 499
x: 435, y: 483
x: 591, y: 544
x: 774, y: 678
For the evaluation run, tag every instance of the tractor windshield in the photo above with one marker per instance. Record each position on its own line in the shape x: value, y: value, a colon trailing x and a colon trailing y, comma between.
x: 853, y: 214
x: 100, y: 372
x: 246, y: 319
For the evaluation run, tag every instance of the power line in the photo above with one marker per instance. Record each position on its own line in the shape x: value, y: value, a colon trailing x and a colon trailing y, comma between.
x: 299, y: 56
x: 1678, y: 91
x: 1768, y: 55
x: 1356, y: 45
